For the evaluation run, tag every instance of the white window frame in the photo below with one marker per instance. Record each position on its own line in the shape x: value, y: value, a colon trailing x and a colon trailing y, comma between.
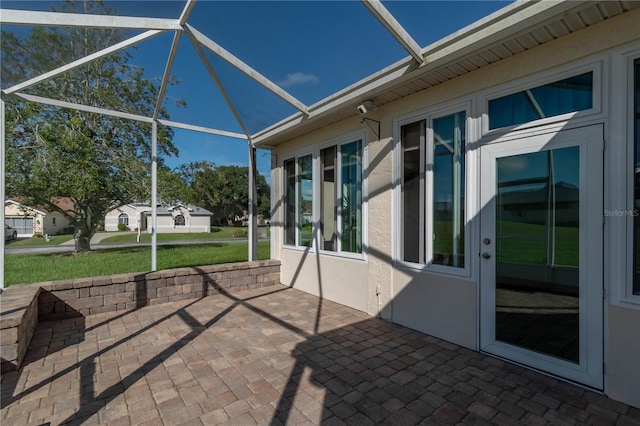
x: 627, y: 294
x: 426, y: 208
x: 338, y: 143
x: 122, y: 215
x: 541, y: 80
x: 314, y: 151
x: 295, y: 157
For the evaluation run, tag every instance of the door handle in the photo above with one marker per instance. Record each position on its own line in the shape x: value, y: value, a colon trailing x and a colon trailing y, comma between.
x: 486, y: 255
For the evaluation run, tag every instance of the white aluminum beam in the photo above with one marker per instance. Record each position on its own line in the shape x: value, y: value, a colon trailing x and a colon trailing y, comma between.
x: 188, y: 8
x: 104, y: 52
x: 395, y: 28
x: 95, y: 110
x: 202, y: 129
x: 221, y: 88
x: 154, y: 196
x: 167, y: 74
x: 246, y: 69
x: 2, y: 185
x: 252, y: 254
x: 80, y: 107
x: 59, y: 19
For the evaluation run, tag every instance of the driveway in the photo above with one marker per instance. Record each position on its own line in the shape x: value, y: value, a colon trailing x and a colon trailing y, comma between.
x: 276, y: 356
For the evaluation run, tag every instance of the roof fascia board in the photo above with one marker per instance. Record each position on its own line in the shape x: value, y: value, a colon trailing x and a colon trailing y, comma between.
x: 512, y: 19
x: 390, y: 76
x: 246, y: 69
x: 514, y: 23
x: 64, y: 68
x: 394, y: 28
x: 35, y: 18
x: 25, y: 207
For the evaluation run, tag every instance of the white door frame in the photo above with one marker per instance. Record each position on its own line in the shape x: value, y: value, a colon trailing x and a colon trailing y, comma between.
x: 589, y: 371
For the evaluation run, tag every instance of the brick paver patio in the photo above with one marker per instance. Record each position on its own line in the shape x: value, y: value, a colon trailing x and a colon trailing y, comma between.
x: 276, y: 356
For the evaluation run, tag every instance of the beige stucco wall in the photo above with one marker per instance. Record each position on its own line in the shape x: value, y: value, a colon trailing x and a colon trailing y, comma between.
x: 50, y: 228
x: 623, y: 366
x: 446, y: 306
x: 111, y: 218
x: 341, y: 280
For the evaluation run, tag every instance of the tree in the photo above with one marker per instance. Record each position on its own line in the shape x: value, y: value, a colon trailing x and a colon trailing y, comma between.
x: 222, y: 188
x: 99, y: 162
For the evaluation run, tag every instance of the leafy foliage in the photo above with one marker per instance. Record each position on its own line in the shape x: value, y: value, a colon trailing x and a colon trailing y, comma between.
x: 220, y: 189
x: 96, y: 161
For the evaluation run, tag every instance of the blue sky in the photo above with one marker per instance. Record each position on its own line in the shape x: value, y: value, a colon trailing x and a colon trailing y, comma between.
x: 310, y: 48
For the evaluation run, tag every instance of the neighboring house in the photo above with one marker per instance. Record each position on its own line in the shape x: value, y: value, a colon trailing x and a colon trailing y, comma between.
x: 474, y: 213
x: 178, y: 218
x: 29, y: 221
x: 132, y: 216
x: 181, y: 218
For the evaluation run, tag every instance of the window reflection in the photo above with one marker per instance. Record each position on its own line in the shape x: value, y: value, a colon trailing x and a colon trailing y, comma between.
x: 305, y: 203
x: 351, y: 197
x: 538, y: 251
x: 636, y: 201
x: 413, y: 138
x: 290, y: 202
x: 560, y: 97
x: 448, y: 190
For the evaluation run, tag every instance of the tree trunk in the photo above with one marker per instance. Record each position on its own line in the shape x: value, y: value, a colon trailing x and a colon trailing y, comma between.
x: 82, y: 238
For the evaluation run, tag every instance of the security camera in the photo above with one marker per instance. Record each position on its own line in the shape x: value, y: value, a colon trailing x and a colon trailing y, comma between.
x: 366, y: 106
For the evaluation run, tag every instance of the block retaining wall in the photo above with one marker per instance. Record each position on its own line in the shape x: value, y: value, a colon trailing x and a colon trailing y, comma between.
x: 22, y: 306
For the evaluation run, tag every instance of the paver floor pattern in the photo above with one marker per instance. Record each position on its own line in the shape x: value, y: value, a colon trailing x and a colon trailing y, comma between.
x: 276, y: 356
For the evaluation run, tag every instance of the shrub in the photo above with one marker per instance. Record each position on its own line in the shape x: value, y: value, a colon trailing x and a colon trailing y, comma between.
x: 122, y: 227
x: 240, y: 233
x: 215, y: 229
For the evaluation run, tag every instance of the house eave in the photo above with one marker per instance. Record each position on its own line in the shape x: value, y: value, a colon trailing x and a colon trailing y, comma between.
x: 516, y: 28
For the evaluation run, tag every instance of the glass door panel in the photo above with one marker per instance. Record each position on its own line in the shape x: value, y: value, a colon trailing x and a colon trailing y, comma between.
x: 542, y: 252
x: 537, y: 251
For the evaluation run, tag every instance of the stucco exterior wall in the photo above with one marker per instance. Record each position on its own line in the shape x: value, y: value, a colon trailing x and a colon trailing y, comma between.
x: 344, y: 281
x: 441, y: 305
x: 111, y: 218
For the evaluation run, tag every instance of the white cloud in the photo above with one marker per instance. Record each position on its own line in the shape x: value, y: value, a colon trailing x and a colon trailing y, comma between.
x: 298, y: 78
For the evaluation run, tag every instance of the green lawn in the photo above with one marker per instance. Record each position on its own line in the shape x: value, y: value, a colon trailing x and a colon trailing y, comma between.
x: 41, y: 241
x: 226, y: 232
x: 29, y: 268
x: 527, y: 243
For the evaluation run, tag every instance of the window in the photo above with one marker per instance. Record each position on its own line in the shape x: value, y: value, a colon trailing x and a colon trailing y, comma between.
x: 413, y: 146
x: 560, y: 97
x: 328, y: 198
x: 53, y: 221
x: 179, y: 220
x: 298, y: 201
x: 339, y: 208
x: 351, y: 211
x: 123, y: 219
x: 433, y: 191
x: 636, y: 179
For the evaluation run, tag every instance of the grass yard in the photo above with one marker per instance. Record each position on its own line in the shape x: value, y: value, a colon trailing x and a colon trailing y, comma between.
x: 30, y: 268
x: 40, y: 241
x: 527, y: 243
x: 225, y: 232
